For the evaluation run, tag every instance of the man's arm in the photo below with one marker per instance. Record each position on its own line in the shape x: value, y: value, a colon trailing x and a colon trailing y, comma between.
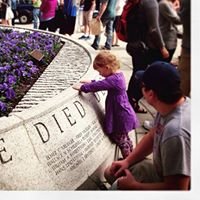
x: 102, y: 9
x: 93, y: 5
x: 152, y: 16
x: 143, y: 149
x: 175, y: 182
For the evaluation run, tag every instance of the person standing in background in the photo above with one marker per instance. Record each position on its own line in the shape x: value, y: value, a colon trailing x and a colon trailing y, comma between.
x: 47, y: 17
x: 168, y: 19
x: 14, y: 10
x: 145, y: 44
x: 119, y: 8
x: 107, y: 16
x: 3, y: 6
x: 98, y: 5
x: 88, y: 9
x: 6, y: 12
x: 185, y: 63
x: 70, y: 12
x: 36, y: 13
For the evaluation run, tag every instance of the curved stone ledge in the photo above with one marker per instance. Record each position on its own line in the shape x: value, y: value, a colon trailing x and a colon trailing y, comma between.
x: 56, y: 145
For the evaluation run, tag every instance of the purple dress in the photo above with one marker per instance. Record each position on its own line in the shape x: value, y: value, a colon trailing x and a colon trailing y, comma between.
x: 120, y: 116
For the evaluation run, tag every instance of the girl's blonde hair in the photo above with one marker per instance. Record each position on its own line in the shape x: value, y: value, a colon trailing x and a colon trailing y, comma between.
x: 106, y: 59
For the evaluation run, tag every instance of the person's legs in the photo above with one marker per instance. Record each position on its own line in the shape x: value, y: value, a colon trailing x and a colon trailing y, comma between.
x: 43, y: 25
x: 36, y: 13
x: 84, y: 26
x: 88, y: 20
x: 97, y: 38
x: 134, y: 92
x: 51, y: 25
x: 96, y: 42
x: 109, y: 33
x: 171, y: 53
x: 184, y: 68
x: 15, y: 16
x: 123, y: 141
x: 115, y: 38
x: 143, y: 171
x: 140, y: 59
x: 68, y: 25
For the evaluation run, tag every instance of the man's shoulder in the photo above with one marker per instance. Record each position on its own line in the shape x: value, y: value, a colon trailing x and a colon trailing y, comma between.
x: 178, y: 123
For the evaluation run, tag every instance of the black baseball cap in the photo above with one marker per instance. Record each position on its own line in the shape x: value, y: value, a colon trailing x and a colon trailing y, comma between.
x: 163, y: 78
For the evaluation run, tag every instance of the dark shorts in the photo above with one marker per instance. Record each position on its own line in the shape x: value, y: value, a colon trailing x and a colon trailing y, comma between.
x: 143, y: 172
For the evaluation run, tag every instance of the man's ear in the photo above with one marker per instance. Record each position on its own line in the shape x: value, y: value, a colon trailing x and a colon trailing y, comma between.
x: 152, y: 95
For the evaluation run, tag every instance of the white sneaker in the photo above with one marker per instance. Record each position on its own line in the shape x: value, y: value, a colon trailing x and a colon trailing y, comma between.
x: 148, y: 124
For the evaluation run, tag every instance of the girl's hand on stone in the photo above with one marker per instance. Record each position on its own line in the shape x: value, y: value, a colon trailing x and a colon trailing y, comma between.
x: 77, y: 86
x: 85, y: 81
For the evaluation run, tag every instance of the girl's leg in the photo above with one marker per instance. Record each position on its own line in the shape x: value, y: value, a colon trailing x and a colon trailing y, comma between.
x: 126, y: 146
x: 123, y: 141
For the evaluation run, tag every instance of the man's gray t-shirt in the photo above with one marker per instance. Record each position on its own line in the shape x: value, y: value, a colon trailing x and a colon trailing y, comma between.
x: 171, y: 151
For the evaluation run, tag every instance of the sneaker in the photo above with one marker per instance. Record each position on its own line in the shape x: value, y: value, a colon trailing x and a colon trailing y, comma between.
x: 105, y: 48
x: 94, y: 47
x: 148, y: 124
x: 115, y: 45
x: 83, y: 37
x: 88, y: 37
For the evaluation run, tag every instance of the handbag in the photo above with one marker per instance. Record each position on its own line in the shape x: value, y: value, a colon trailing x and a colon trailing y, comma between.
x: 96, y: 26
x: 136, y: 47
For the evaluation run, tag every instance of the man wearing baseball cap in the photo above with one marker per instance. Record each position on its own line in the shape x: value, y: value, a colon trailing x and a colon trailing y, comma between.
x: 168, y: 140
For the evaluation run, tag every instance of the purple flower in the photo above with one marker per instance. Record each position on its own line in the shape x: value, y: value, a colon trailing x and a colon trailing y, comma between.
x: 3, y: 107
x: 34, y: 70
x: 10, y: 94
x: 2, y: 70
x: 17, y: 72
x: 30, y: 63
x: 3, y: 86
x: 15, y: 63
x: 10, y: 79
x: 7, y: 67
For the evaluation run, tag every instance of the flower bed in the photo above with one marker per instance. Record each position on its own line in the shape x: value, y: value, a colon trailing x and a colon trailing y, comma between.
x: 18, y: 69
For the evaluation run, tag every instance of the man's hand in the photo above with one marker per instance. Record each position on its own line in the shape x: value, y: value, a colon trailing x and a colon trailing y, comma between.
x: 117, y: 168
x: 98, y: 17
x: 164, y: 52
x: 127, y: 181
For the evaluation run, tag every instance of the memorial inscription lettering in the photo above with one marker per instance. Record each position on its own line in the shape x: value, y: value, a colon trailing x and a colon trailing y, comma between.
x: 44, y: 132
x: 68, y: 139
x: 71, y: 154
x: 4, y: 158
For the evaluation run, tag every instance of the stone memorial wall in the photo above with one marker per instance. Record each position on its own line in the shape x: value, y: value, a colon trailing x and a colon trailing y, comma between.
x: 59, y: 143
x: 56, y: 146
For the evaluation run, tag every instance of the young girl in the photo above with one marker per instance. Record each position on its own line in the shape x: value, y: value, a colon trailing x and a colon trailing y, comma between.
x: 120, y: 117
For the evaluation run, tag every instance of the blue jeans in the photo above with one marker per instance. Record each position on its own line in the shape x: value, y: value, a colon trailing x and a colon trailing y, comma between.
x: 108, y: 23
x: 36, y: 15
